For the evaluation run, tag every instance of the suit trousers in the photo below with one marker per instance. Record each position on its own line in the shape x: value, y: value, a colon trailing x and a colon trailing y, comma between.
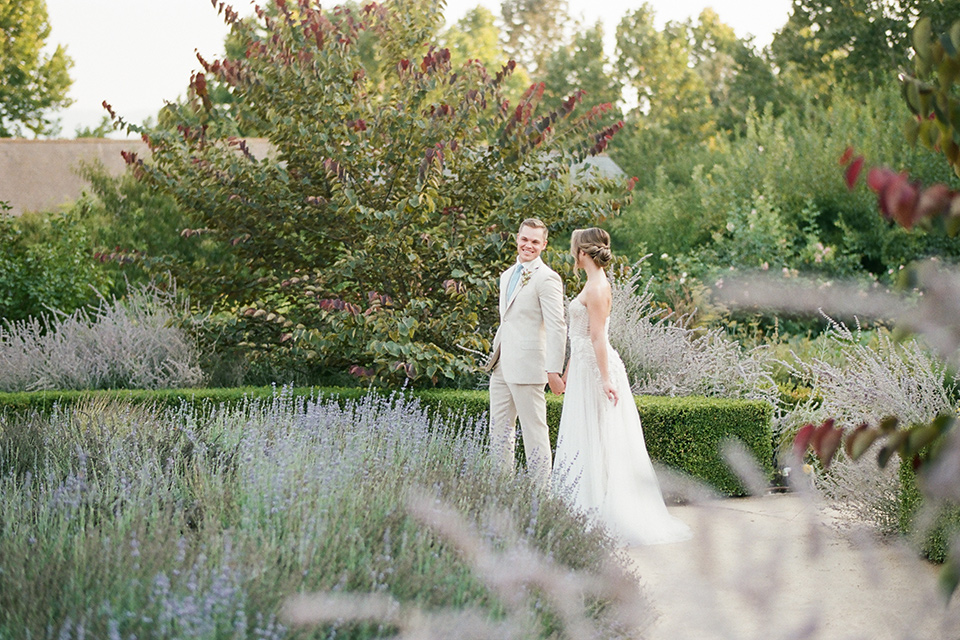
x: 527, y: 401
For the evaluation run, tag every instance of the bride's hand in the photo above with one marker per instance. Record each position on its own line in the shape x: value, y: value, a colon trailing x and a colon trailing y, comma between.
x: 610, y: 392
x: 557, y: 384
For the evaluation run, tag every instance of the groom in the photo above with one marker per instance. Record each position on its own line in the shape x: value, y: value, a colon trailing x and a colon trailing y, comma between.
x: 528, y: 352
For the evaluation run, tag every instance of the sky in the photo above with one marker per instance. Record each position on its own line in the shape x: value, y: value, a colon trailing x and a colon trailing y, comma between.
x: 137, y: 54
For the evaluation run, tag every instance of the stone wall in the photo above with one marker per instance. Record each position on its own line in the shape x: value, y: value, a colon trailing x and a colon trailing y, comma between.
x: 41, y: 175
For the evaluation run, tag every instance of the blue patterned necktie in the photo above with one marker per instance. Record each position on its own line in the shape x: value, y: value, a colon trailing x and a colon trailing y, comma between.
x: 514, y: 279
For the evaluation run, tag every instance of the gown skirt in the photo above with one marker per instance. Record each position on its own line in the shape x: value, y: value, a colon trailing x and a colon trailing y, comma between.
x: 601, y: 450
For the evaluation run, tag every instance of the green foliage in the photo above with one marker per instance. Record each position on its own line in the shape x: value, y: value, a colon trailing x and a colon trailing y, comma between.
x: 135, y: 230
x: 934, y: 536
x: 46, y: 263
x: 102, y: 130
x: 737, y: 77
x: 683, y: 433
x: 582, y: 66
x: 532, y: 30
x: 656, y: 64
x: 371, y: 239
x: 931, y: 94
x: 860, y: 41
x: 33, y: 82
x: 686, y: 434
x: 476, y: 36
x: 777, y: 196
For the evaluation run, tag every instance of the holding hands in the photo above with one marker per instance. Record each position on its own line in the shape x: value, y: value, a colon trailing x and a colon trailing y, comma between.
x: 557, y: 384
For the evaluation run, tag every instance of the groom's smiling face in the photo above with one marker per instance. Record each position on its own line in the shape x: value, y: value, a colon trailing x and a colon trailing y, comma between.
x: 530, y: 243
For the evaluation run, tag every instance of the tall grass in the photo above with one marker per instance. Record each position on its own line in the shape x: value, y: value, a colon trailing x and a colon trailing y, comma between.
x: 122, y: 522
x: 128, y: 343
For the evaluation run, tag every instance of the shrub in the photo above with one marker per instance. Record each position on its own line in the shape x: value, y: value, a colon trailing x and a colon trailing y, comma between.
x: 932, y: 525
x: 46, y: 262
x: 134, y: 230
x: 684, y: 433
x: 867, y: 377
x: 665, y: 357
x: 121, y: 343
x: 775, y: 195
x: 186, y: 523
x: 864, y: 379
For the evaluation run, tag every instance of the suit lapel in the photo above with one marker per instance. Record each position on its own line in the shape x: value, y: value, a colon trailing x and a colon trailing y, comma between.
x: 505, y: 281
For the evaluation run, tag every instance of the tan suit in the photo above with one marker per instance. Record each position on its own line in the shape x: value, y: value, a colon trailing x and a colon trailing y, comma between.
x: 530, y: 342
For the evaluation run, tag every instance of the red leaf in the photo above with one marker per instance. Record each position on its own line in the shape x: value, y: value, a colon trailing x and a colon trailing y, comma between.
x: 829, y: 444
x: 853, y: 172
x: 802, y: 440
x: 847, y: 154
x: 825, y: 441
x: 878, y: 177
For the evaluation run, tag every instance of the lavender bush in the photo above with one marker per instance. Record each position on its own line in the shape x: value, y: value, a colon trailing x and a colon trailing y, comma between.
x: 874, y: 378
x: 123, y: 522
x: 129, y: 343
x: 665, y: 357
x: 870, y: 380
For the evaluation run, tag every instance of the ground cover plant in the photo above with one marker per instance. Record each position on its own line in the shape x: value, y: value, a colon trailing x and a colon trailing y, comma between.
x: 119, y: 521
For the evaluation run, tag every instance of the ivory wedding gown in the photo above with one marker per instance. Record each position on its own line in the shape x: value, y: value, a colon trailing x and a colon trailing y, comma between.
x: 601, y: 447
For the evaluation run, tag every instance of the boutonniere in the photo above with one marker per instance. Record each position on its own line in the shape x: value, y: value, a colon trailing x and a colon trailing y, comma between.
x: 525, y: 277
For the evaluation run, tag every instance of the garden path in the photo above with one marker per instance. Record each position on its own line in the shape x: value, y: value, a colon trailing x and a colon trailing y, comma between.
x: 771, y: 568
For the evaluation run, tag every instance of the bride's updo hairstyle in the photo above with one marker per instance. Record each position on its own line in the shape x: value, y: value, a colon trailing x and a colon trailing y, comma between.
x: 595, y: 242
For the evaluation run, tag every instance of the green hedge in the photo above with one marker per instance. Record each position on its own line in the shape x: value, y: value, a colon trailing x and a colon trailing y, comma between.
x: 682, y: 433
x: 936, y: 540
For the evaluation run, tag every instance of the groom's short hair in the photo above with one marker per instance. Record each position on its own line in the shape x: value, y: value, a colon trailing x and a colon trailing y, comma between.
x: 534, y: 223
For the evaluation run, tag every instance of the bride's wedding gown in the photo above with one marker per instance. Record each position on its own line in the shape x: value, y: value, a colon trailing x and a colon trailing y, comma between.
x: 601, y: 447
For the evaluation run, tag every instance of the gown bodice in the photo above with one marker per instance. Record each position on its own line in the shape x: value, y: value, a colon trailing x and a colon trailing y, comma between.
x: 581, y: 346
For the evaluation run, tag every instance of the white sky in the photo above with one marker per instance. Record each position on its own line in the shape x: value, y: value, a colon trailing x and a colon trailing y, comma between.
x: 135, y: 54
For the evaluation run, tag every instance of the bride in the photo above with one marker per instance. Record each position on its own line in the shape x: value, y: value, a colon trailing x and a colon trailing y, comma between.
x: 601, y: 445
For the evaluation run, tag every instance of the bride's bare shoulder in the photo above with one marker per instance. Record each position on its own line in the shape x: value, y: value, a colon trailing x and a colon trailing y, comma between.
x: 596, y: 294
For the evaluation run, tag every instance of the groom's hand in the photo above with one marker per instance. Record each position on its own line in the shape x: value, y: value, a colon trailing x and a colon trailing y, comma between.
x: 556, y: 382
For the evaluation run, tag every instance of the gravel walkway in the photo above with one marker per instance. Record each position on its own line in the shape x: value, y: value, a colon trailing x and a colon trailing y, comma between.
x: 770, y: 568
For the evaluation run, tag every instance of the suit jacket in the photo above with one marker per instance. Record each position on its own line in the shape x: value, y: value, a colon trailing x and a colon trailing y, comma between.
x: 532, y: 337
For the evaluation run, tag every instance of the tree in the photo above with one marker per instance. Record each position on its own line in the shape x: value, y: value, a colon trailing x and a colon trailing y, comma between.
x: 830, y: 40
x: 532, y: 30
x: 476, y: 36
x: 657, y: 65
x: 370, y: 240
x: 31, y: 84
x: 582, y: 65
x: 734, y: 75
x: 102, y: 130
